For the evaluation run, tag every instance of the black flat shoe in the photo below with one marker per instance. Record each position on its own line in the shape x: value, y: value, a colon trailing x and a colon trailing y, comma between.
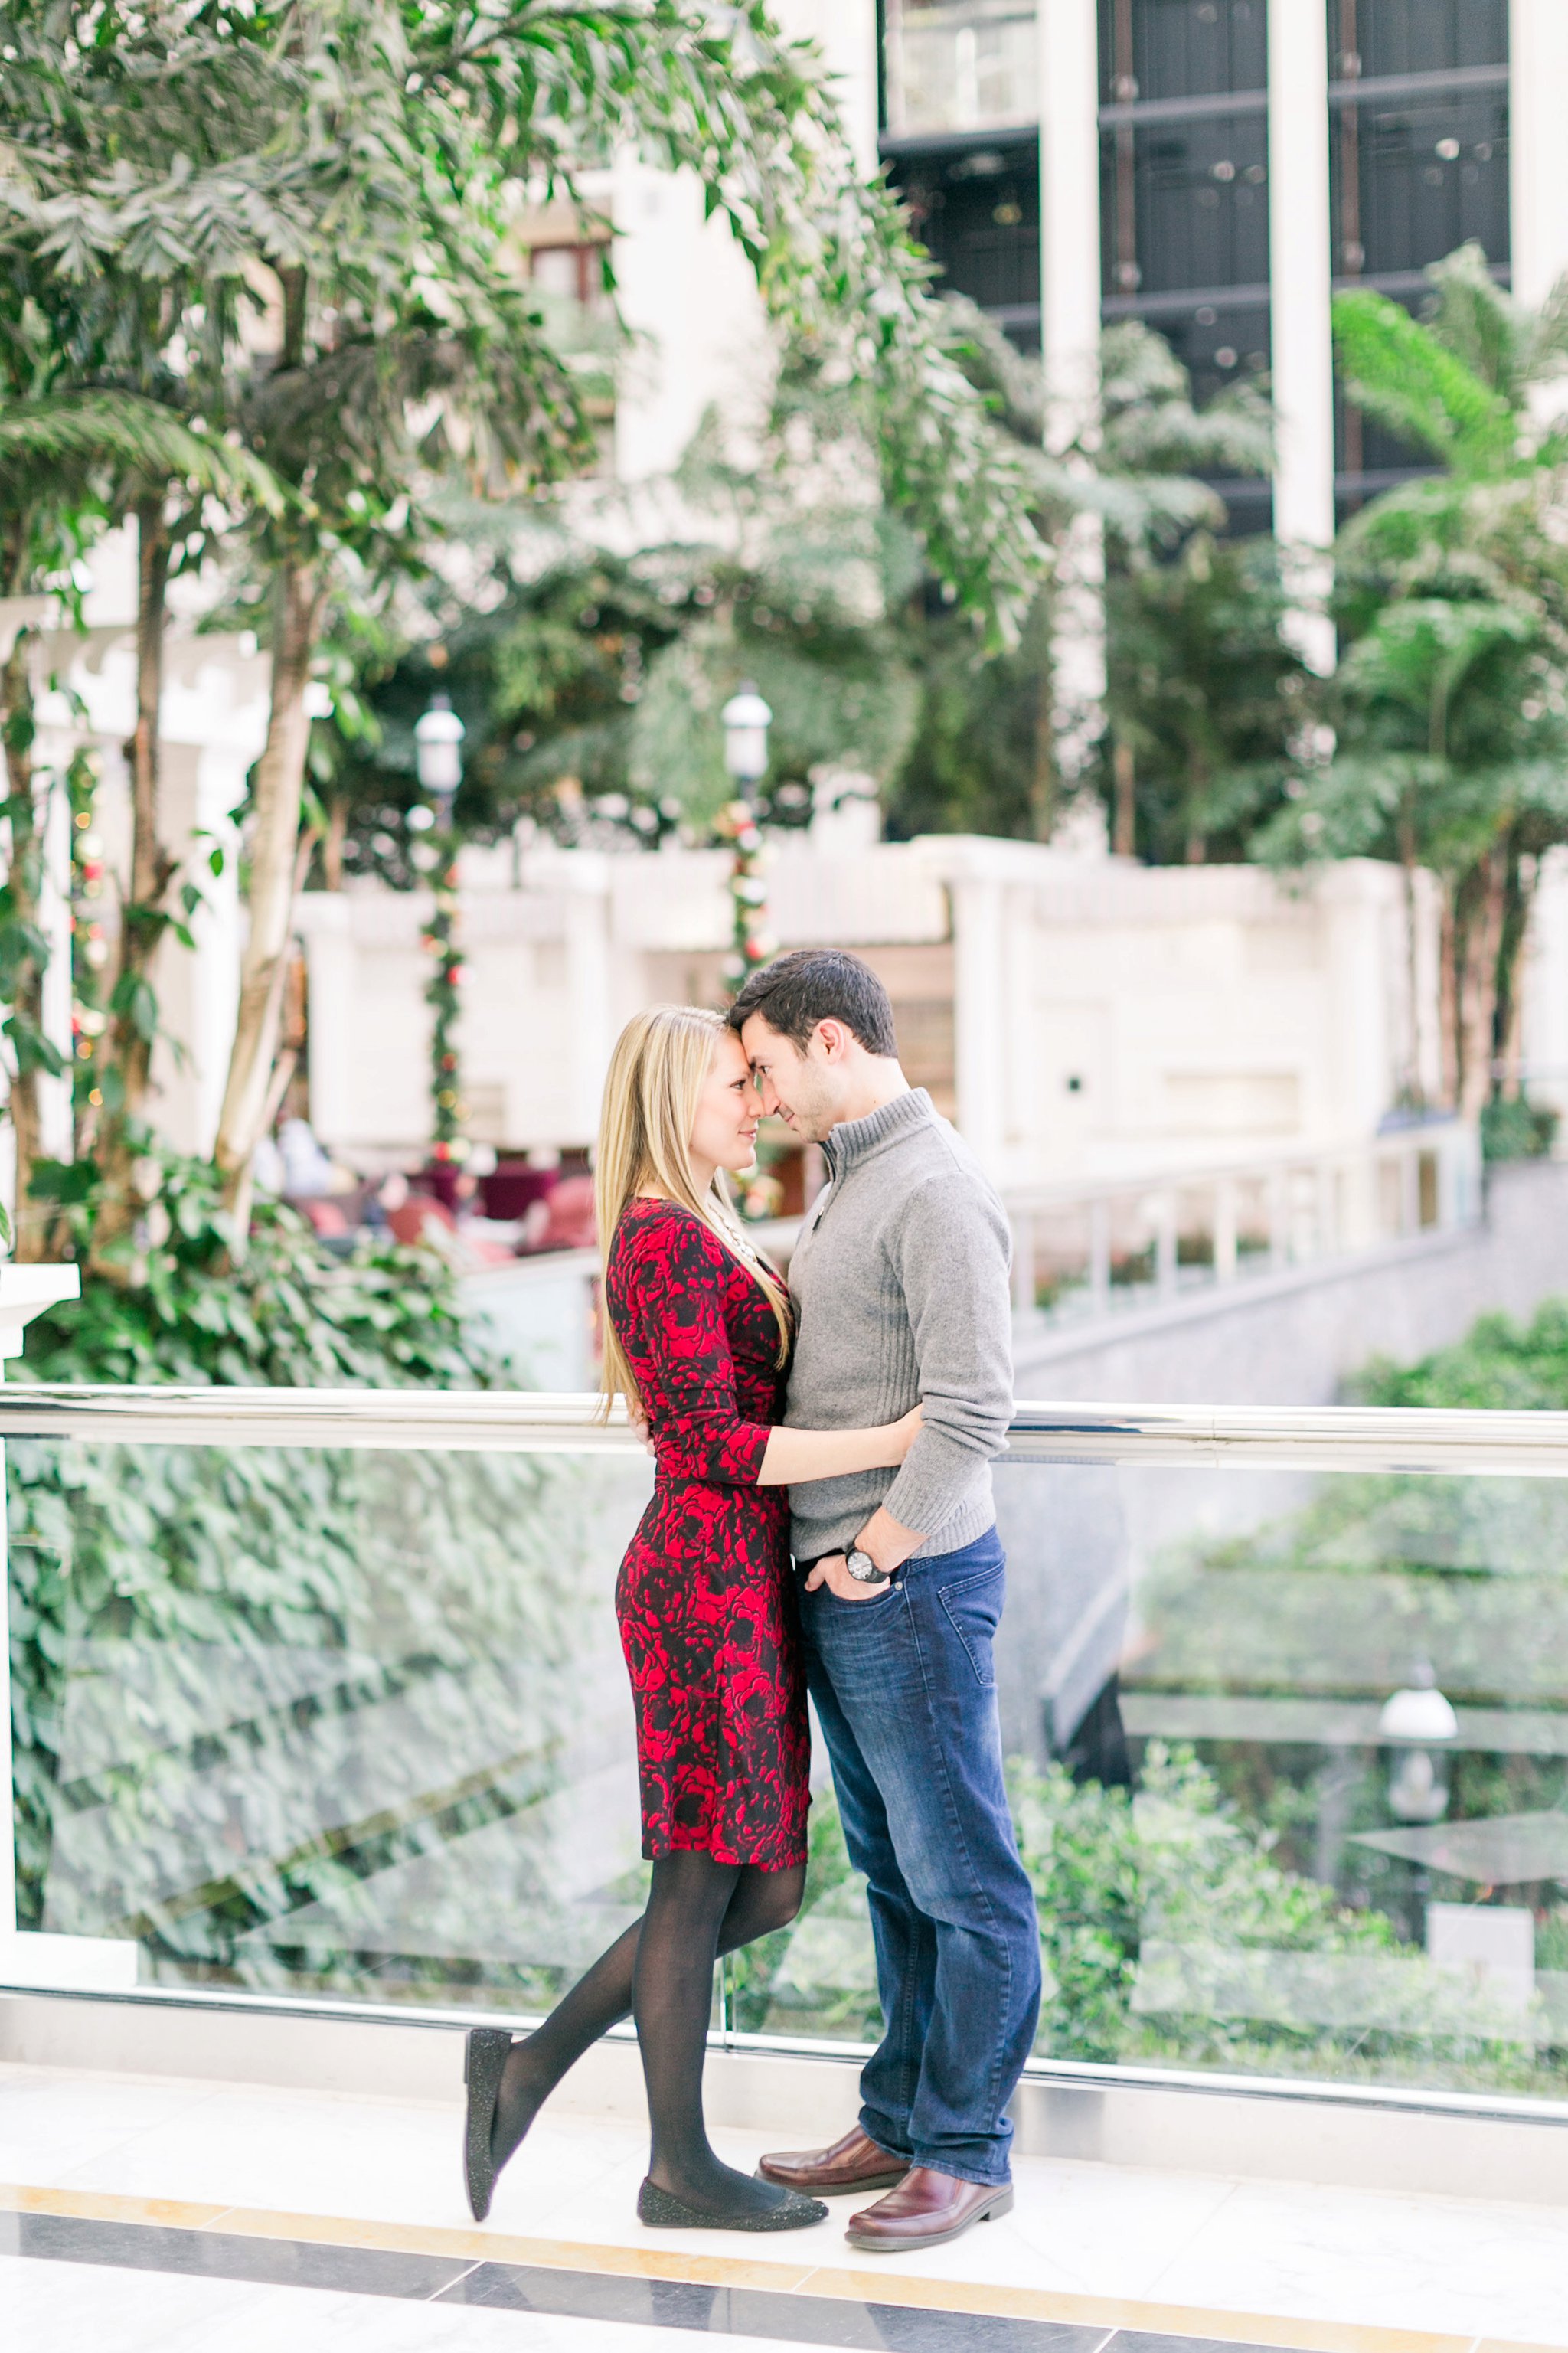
x: 484, y: 2057
x: 660, y: 2209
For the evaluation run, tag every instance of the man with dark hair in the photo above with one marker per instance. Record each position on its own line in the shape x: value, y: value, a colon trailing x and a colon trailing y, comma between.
x: 900, y: 1281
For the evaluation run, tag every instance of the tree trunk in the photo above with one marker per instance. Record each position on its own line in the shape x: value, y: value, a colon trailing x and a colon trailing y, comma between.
x: 1414, y: 1088
x: 1518, y: 899
x: 279, y: 777
x: 1124, y: 827
x: 1196, y: 846
x: 1448, y: 949
x: 128, y: 1065
x: 333, y: 845
x: 1044, y: 785
x: 23, y: 891
x: 1483, y: 940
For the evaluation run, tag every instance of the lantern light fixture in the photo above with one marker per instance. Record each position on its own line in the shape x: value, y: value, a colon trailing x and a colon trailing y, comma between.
x: 746, y: 719
x: 438, y: 751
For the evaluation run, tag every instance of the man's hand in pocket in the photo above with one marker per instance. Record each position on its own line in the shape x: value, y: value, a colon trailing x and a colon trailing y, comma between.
x: 833, y: 1570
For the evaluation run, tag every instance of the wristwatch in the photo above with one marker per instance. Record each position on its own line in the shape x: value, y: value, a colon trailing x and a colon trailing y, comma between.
x: 863, y: 1568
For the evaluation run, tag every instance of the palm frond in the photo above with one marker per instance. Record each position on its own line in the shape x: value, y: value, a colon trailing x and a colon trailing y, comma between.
x: 1398, y: 372
x: 1474, y: 318
x: 126, y: 433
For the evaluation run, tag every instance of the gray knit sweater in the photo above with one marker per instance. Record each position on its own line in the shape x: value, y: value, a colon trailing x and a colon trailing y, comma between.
x: 900, y: 1279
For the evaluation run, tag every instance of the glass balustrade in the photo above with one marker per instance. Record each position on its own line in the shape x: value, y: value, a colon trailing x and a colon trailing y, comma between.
x: 1286, y: 1700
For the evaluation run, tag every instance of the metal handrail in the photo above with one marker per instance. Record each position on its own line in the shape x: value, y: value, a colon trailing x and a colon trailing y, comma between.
x: 527, y: 1421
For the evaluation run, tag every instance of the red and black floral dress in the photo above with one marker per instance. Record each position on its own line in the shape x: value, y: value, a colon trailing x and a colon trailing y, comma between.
x: 704, y: 1598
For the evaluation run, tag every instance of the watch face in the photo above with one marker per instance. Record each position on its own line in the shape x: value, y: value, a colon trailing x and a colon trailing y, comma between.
x: 862, y: 1565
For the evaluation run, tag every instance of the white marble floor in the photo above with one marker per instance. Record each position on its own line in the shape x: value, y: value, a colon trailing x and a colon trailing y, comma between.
x: 1171, y: 2249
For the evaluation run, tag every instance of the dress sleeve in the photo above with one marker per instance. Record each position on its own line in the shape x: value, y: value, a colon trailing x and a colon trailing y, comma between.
x: 677, y: 1283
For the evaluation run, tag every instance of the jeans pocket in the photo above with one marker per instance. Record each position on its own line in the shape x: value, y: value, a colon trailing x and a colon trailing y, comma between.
x: 973, y: 1606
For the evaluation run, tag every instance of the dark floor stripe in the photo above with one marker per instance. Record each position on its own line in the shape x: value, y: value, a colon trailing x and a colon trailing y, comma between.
x: 217, y: 2254
x: 761, y: 2312
x: 603, y: 2296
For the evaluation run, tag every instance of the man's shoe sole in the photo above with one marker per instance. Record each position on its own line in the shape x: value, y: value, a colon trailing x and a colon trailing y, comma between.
x: 889, y: 2180
x: 1001, y: 2204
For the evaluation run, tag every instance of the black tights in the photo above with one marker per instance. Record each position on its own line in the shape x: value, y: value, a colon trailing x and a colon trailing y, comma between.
x: 661, y: 1970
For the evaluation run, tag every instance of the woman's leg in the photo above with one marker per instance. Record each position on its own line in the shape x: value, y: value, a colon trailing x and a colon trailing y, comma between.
x: 673, y: 2000
x: 761, y: 1901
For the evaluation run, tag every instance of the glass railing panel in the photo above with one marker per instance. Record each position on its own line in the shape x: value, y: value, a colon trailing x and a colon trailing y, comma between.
x: 1291, y: 1769
x: 326, y: 1721
x: 1288, y: 1747
x: 1288, y: 1763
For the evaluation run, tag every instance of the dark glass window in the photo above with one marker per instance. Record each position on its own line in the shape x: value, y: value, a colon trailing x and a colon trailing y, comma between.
x: 1431, y: 174
x: 1199, y: 206
x: 1218, y: 345
x: 1180, y: 48
x: 1412, y: 182
x: 978, y: 214
x: 1407, y: 36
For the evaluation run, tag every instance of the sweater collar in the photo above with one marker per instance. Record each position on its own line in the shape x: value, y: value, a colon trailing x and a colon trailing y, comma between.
x: 855, y: 1140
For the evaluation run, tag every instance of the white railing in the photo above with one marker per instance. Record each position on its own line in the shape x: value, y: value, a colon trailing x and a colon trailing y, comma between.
x: 521, y: 1422
x: 1084, y: 1250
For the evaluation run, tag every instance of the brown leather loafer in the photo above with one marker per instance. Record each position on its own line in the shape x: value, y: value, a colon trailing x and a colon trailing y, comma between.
x: 926, y: 2210
x: 853, y: 2163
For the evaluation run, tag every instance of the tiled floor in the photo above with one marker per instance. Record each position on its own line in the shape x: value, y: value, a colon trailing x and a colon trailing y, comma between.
x: 1089, y: 2249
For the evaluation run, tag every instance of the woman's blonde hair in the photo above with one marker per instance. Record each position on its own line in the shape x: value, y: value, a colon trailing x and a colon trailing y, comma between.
x: 657, y: 1071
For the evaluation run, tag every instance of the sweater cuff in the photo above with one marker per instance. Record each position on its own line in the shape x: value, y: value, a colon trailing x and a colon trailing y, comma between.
x: 930, y: 1484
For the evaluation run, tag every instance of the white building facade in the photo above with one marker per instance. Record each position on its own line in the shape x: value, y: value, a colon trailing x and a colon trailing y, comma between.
x: 1084, y: 1019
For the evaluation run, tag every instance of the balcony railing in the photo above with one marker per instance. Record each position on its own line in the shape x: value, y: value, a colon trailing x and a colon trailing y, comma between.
x: 1088, y: 1248
x: 317, y: 1702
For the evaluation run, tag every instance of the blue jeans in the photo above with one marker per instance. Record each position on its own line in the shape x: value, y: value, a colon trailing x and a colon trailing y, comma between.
x: 906, y: 1695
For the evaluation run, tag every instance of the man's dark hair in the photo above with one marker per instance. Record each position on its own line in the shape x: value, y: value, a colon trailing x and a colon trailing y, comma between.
x: 796, y: 991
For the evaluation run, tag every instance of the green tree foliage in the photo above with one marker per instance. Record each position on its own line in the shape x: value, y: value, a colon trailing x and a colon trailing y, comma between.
x: 1205, y: 698
x: 1500, y: 1366
x: 591, y: 682
x: 1451, y: 709
x: 296, y: 226
x: 108, y: 413
x: 987, y: 748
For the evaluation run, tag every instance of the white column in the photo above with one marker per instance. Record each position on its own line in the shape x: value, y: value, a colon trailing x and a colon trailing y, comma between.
x: 1069, y: 211
x: 198, y: 991
x: 980, y: 1022
x: 1225, y: 1230
x: 1538, y: 150
x: 588, y: 954
x: 1069, y: 345
x: 844, y: 32
x: 1299, y: 246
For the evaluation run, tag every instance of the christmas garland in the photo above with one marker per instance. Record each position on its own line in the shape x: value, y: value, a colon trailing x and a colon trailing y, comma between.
x: 751, y: 944
x: 89, y: 947
x: 443, y: 993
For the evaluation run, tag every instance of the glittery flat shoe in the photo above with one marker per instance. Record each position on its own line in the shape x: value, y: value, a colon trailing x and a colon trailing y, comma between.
x: 659, y: 2210
x: 484, y: 2057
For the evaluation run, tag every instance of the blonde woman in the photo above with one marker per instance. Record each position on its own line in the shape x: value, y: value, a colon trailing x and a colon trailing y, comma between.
x: 697, y: 1341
